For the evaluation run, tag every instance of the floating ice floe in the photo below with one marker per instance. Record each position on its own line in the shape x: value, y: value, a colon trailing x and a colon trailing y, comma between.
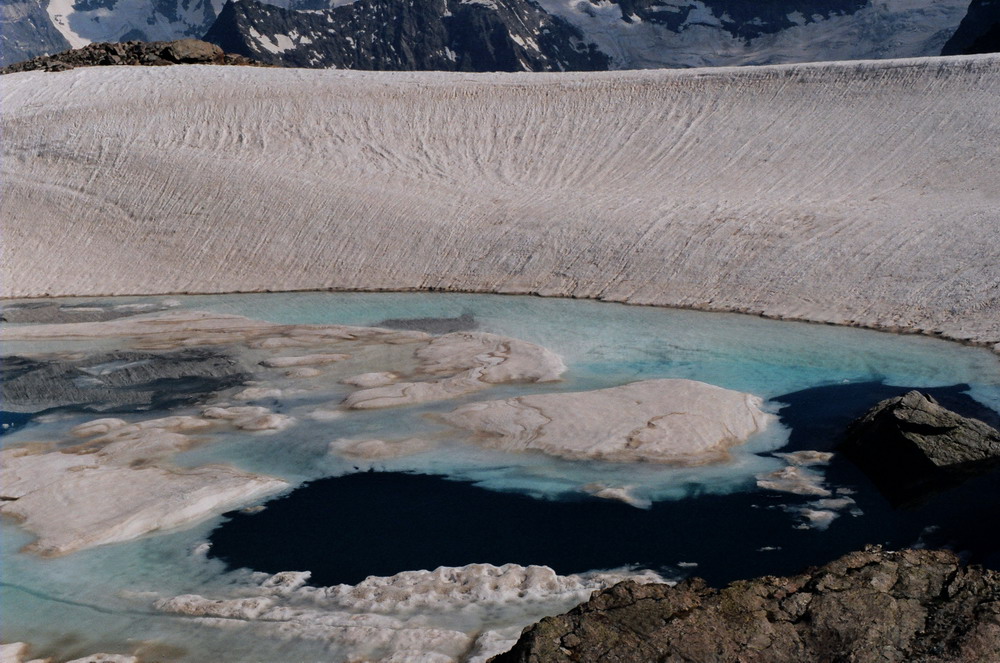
x: 118, y: 483
x: 681, y: 422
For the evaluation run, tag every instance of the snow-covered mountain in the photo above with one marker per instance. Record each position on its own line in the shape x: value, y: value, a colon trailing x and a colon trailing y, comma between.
x: 450, y: 35
x: 26, y: 31
x: 517, y: 34
x: 694, y: 33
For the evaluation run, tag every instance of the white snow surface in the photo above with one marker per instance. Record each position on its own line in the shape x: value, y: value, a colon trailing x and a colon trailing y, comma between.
x: 60, y: 12
x: 854, y: 193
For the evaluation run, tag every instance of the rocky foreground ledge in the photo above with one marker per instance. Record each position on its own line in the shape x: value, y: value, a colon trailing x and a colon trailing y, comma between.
x: 873, y: 605
x: 152, y: 53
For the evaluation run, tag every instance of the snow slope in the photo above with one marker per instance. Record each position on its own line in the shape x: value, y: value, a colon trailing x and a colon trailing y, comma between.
x: 856, y: 193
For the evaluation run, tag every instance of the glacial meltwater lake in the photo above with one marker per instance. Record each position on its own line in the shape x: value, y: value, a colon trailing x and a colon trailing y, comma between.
x: 264, y: 383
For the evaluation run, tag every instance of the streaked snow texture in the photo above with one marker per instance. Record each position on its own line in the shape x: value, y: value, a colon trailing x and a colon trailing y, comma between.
x: 864, y: 192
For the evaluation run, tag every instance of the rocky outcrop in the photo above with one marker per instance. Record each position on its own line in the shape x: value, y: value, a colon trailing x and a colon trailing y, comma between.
x: 868, y: 606
x: 911, y: 446
x: 979, y: 31
x: 155, y: 53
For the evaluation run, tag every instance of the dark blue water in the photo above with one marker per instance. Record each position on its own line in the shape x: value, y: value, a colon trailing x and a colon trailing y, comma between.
x: 11, y: 421
x: 379, y: 523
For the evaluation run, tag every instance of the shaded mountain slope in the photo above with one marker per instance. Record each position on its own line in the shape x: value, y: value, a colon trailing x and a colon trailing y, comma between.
x: 512, y: 35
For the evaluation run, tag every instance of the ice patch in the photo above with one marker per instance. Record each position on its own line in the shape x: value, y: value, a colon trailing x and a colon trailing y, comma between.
x: 796, y: 478
x: 434, y: 615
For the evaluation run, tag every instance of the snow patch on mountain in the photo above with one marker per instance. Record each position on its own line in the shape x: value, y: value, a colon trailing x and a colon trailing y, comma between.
x: 82, y: 22
x: 708, y: 36
x: 59, y: 12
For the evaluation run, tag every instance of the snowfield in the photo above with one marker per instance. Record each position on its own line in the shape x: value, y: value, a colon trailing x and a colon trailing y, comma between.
x: 854, y: 193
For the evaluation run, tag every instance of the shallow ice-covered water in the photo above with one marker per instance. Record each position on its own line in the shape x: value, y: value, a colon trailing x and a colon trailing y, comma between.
x: 104, y: 598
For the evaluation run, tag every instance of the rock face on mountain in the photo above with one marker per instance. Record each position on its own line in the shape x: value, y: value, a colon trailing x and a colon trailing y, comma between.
x: 911, y: 446
x: 979, y: 31
x: 691, y: 33
x: 586, y: 34
x: 914, y: 605
x: 157, y: 53
x: 27, y: 31
x: 450, y: 35
x: 513, y: 34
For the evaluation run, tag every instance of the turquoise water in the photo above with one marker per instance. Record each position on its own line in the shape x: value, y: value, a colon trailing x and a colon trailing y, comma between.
x: 103, y: 597
x: 602, y: 342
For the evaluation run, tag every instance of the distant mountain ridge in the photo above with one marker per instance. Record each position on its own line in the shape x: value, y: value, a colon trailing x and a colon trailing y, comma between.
x: 534, y: 35
x: 450, y: 35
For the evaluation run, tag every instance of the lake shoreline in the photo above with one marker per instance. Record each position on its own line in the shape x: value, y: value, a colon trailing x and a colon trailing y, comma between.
x: 990, y: 344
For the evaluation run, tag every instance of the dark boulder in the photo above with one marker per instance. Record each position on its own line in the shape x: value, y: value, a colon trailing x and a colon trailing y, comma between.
x: 912, y: 447
x: 979, y: 31
x: 867, y: 607
x: 192, y: 51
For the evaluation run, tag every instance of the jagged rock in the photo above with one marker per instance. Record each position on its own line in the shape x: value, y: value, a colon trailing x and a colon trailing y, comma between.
x: 979, y: 31
x: 26, y: 30
x: 153, y: 53
x: 915, y: 606
x: 911, y: 446
x: 449, y: 35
